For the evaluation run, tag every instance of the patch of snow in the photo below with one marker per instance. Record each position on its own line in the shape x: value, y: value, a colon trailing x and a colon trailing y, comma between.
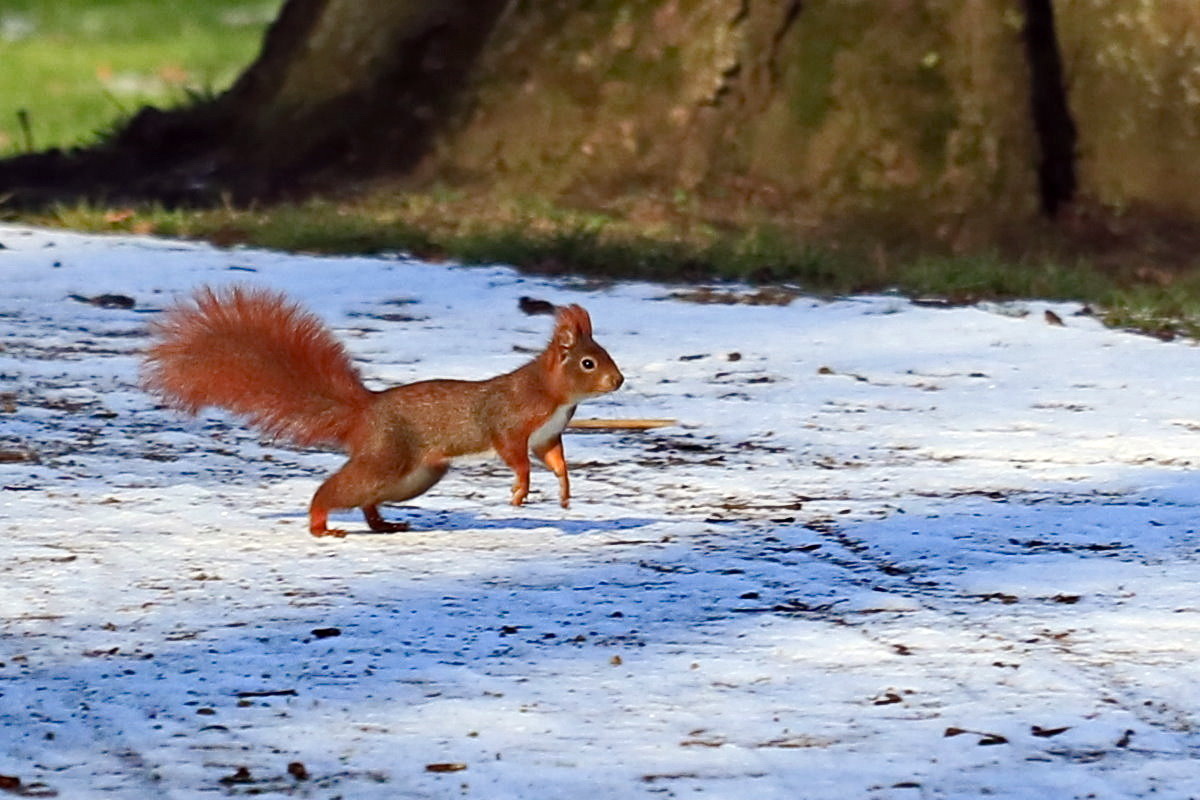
x: 890, y: 551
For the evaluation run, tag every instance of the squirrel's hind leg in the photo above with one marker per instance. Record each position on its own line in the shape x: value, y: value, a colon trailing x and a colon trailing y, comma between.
x: 413, y: 483
x: 345, y: 488
x: 378, y: 524
x: 318, y: 521
x: 365, y: 484
x: 360, y: 483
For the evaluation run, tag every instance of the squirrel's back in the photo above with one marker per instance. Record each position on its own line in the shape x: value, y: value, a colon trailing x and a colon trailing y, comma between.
x: 254, y: 353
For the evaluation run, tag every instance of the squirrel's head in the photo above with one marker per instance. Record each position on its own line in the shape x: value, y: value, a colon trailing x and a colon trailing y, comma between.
x: 586, y: 367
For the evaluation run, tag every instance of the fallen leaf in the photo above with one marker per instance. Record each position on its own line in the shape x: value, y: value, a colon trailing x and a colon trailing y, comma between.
x: 112, y: 651
x: 797, y: 742
x: 240, y: 775
x: 984, y: 738
x: 445, y: 767
x: 173, y: 73
x: 118, y: 215
x: 13, y: 784
x: 697, y: 742
x: 669, y: 776
x: 1046, y: 733
x: 533, y: 305
x: 269, y: 693
x: 108, y: 300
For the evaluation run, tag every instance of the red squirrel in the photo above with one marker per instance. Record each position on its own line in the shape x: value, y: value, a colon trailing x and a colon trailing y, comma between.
x: 257, y: 354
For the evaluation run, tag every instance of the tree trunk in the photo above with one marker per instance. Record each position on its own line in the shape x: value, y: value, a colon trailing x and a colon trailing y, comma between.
x: 951, y: 120
x: 351, y: 86
x: 908, y: 116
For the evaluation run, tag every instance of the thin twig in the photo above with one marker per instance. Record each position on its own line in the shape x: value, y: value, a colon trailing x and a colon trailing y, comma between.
x: 26, y: 128
x: 621, y: 424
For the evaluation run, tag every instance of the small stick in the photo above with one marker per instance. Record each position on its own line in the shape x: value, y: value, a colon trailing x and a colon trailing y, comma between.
x: 621, y: 424
x: 26, y: 128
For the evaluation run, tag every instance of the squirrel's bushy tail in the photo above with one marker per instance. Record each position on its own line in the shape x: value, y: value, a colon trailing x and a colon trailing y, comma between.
x: 254, y: 353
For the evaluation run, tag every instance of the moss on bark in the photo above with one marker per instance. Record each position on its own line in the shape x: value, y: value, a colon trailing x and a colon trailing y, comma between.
x: 909, y: 112
x: 1134, y: 88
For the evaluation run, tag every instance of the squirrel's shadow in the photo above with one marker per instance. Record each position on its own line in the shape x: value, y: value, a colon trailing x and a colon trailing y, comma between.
x: 424, y: 520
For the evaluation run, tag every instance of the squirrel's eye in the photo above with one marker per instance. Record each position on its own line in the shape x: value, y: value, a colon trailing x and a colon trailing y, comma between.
x: 588, y: 364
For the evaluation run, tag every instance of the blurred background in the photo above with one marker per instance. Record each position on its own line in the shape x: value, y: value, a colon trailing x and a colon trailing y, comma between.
x: 75, y: 70
x: 964, y: 148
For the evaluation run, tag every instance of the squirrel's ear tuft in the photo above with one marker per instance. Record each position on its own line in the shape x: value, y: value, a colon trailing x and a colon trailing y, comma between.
x: 571, y: 324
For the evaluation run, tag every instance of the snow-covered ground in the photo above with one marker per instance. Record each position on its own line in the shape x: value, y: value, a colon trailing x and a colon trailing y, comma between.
x: 889, y: 551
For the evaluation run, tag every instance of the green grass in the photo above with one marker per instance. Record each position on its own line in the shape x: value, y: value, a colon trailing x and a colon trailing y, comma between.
x: 990, y: 276
x: 543, y: 238
x: 75, y: 68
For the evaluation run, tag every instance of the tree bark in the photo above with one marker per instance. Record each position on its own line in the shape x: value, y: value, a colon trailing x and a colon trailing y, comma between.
x: 957, y: 121
x: 352, y: 86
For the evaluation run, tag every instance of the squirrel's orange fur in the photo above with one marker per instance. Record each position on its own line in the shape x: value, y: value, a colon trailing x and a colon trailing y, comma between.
x: 255, y: 353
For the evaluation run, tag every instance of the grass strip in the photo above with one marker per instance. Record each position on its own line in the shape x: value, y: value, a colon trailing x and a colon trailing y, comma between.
x: 548, y: 239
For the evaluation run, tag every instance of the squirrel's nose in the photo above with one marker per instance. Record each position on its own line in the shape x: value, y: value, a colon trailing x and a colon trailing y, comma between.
x: 614, y: 381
